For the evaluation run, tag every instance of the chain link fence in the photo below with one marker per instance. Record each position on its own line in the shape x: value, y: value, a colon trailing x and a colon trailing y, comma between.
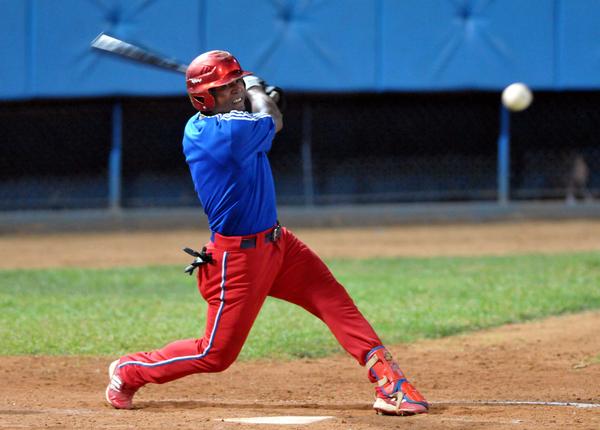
x: 555, y: 148
x: 53, y: 154
x: 335, y: 148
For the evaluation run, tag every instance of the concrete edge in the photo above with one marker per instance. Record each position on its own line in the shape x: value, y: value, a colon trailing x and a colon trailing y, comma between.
x: 34, y: 222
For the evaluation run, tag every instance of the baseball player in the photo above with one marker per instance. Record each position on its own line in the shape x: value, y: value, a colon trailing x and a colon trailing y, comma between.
x: 250, y: 255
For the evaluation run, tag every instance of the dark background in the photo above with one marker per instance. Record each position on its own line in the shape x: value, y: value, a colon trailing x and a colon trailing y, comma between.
x: 388, y: 147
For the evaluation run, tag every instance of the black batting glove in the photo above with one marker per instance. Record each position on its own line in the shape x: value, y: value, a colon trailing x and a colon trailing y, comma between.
x: 277, y: 95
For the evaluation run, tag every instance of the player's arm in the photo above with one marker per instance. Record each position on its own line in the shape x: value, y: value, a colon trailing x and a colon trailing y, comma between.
x: 262, y: 102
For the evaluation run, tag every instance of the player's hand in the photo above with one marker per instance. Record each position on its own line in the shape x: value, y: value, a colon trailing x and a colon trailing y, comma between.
x: 253, y: 81
x: 277, y: 95
x: 272, y: 91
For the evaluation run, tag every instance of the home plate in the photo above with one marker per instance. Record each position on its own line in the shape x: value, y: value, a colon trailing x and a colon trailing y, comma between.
x: 277, y: 420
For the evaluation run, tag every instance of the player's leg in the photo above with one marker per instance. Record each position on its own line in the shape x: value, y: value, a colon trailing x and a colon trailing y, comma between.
x: 306, y: 281
x: 235, y: 286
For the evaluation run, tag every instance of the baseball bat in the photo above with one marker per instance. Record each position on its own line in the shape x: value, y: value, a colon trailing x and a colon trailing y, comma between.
x: 112, y: 45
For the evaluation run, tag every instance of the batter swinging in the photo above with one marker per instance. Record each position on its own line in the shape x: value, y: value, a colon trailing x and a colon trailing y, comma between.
x: 249, y: 255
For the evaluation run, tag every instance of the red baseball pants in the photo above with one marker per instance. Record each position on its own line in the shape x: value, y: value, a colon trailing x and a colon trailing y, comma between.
x: 245, y: 270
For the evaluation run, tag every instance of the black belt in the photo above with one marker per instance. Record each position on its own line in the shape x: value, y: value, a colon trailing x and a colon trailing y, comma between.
x: 205, y: 257
x: 251, y: 241
x: 272, y: 236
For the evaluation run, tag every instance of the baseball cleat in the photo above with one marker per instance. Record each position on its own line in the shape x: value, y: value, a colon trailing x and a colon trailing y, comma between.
x: 118, y: 394
x: 406, y: 401
x: 394, y: 395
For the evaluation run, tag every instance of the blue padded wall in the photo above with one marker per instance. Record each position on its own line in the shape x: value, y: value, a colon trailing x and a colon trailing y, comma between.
x: 433, y: 44
x: 315, y: 45
x: 14, y: 43
x: 169, y: 27
x: 304, y: 45
x: 578, y: 50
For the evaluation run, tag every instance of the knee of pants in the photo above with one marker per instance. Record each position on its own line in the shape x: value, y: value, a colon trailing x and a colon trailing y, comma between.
x: 221, y: 366
x: 220, y: 359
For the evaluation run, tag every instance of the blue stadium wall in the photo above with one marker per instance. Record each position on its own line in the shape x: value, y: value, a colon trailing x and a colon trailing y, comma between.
x: 304, y: 45
x: 389, y: 100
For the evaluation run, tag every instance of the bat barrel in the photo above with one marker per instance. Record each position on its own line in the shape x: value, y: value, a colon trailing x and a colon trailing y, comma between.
x: 112, y: 45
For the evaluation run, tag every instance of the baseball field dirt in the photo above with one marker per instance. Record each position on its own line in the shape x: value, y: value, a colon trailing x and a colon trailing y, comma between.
x: 538, y: 375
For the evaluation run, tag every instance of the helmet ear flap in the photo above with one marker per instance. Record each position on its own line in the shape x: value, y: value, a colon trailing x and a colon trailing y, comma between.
x: 203, y: 101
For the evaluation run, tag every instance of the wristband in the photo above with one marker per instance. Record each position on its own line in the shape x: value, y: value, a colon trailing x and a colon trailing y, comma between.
x: 253, y: 81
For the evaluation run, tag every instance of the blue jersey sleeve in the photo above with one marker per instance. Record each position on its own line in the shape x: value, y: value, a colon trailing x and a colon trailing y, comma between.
x: 249, y: 133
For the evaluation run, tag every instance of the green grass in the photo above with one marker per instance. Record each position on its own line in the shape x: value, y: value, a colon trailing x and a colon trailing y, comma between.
x: 84, y: 311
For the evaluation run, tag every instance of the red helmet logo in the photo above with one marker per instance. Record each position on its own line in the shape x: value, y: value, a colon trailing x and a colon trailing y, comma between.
x: 209, y: 70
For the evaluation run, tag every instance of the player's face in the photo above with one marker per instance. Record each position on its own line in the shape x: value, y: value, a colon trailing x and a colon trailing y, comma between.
x: 229, y: 97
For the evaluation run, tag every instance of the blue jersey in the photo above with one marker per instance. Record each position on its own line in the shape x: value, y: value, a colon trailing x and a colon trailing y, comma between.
x: 227, y: 156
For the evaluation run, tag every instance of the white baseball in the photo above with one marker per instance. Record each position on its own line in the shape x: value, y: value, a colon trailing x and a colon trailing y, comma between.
x: 517, y: 97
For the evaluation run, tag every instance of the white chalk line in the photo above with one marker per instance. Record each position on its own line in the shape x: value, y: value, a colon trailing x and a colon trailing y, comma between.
x: 87, y: 411
x: 283, y: 420
x: 481, y: 421
x: 516, y: 403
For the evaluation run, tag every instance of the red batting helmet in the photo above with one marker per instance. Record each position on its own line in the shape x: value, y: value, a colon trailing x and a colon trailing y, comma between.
x: 209, y: 70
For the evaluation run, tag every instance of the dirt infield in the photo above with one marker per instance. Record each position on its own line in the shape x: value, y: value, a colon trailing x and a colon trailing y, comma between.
x: 164, y: 247
x: 494, y: 379
x: 553, y: 360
